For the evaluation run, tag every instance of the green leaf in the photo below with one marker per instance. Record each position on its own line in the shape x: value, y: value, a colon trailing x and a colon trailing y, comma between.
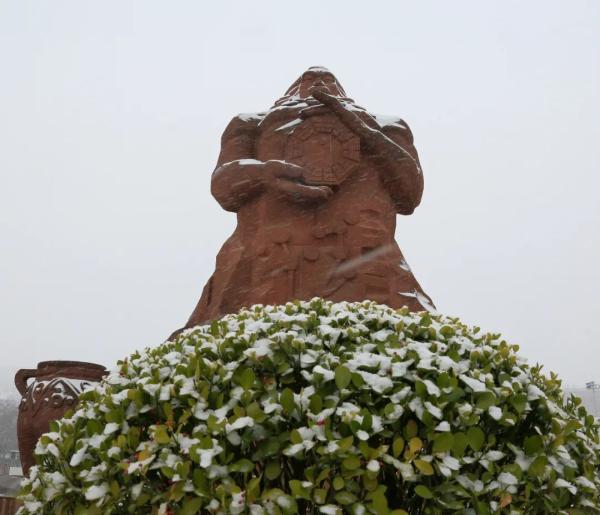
x: 533, y: 444
x: 287, y: 401
x: 518, y: 402
x: 351, y: 463
x: 343, y: 377
x: 199, y: 479
x: 425, y: 320
x: 242, y: 465
x: 315, y: 404
x: 357, y: 380
x: 324, y: 474
x: 420, y: 389
x: 255, y: 411
x: 456, y: 394
x: 398, y: 446
x: 246, y: 378
x: 167, y: 472
x: 485, y: 400
x: 345, y: 497
x: 415, y: 444
x: 443, y: 442
x: 273, y: 470
x: 411, y: 429
x: 571, y: 425
x: 320, y: 495
x: 475, y: 437
x: 296, y: 437
x: 167, y: 410
x: 367, y: 422
x: 379, y: 501
x: 443, y: 380
x: 135, y: 395
x: 389, y: 409
x: 460, y: 444
x: 190, y: 506
x: 345, y: 443
x: 423, y: 491
x: 538, y: 466
x: 298, y: 490
x: 446, y: 331
x: 253, y: 489
x: 338, y: 482
x: 424, y: 466
x: 160, y: 435
x: 87, y: 510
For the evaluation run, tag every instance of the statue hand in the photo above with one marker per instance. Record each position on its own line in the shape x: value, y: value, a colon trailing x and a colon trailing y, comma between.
x: 331, y: 104
x: 287, y: 179
x: 379, y: 146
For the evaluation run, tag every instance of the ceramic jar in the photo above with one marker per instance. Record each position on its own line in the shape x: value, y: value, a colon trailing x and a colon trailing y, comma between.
x: 55, y: 389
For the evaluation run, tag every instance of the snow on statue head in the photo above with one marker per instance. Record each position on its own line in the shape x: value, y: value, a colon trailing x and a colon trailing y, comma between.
x: 315, y: 77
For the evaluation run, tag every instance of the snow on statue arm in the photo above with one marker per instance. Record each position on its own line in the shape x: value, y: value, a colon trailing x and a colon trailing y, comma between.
x: 390, y: 148
x: 238, y: 177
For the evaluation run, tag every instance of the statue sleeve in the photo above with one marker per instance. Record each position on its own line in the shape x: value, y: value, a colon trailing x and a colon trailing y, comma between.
x: 407, y: 193
x: 237, y: 141
x: 400, y: 133
x: 233, y: 181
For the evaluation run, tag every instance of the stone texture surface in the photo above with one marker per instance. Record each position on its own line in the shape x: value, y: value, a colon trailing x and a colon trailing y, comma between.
x: 55, y: 388
x: 316, y: 182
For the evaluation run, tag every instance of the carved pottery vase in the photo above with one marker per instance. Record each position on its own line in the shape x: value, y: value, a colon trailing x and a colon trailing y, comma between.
x: 55, y: 389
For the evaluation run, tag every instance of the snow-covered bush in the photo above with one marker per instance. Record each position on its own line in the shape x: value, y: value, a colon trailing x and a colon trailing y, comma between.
x: 318, y: 407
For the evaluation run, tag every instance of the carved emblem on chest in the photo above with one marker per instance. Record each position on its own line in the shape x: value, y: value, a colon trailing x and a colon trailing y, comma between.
x: 325, y: 148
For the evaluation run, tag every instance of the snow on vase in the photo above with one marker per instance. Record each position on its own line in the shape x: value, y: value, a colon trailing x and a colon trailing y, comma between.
x: 55, y: 389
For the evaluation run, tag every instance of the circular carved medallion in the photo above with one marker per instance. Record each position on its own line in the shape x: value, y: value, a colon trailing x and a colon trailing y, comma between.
x: 326, y: 149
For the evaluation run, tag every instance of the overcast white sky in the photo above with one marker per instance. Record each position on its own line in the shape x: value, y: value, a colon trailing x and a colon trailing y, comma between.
x: 111, y: 114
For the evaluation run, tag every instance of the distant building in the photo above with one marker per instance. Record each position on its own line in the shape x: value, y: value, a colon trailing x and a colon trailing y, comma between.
x: 15, y: 471
x: 13, y: 457
x: 10, y: 464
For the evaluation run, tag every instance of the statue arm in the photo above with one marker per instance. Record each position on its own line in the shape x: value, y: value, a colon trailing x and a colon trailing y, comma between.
x: 235, y: 178
x: 239, y: 177
x: 390, y: 148
x: 400, y: 168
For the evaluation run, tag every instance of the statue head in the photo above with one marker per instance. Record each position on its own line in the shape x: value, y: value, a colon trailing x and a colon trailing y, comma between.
x: 317, y: 77
x: 314, y: 77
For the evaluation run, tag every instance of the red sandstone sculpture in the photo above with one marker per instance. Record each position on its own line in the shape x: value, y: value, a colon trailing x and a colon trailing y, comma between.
x: 54, y: 390
x: 316, y: 182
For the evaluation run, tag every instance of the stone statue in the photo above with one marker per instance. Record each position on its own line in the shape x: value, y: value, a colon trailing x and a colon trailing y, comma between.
x: 316, y: 182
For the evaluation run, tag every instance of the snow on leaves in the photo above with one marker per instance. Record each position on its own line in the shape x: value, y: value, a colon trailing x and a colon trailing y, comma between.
x: 321, y: 407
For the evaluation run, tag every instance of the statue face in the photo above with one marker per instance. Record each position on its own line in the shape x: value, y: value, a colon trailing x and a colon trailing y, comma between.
x: 321, y: 79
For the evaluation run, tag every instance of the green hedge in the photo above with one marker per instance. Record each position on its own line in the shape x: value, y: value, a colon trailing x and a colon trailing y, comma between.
x: 321, y: 407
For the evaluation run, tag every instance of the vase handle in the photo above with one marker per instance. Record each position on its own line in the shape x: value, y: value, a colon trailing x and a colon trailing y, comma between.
x: 21, y: 378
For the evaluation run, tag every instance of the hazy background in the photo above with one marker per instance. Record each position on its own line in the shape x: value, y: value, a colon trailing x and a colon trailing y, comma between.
x: 111, y: 114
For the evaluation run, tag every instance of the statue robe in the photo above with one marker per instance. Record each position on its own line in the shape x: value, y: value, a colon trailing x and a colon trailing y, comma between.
x: 340, y: 249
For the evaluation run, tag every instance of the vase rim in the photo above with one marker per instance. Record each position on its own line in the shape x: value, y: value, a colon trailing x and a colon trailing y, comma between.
x: 66, y: 363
